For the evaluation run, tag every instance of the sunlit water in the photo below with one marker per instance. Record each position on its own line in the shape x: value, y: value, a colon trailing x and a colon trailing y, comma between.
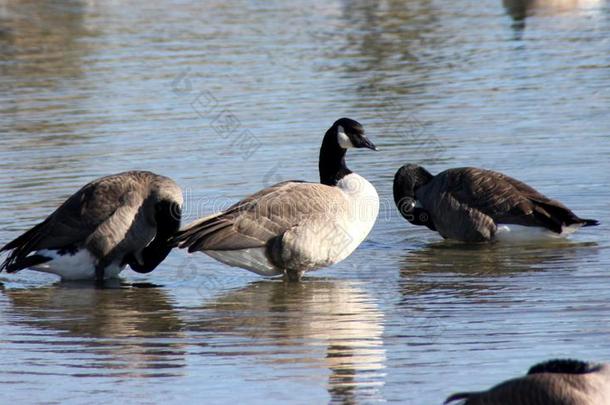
x: 228, y: 97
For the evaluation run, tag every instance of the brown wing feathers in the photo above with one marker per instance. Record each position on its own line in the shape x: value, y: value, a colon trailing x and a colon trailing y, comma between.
x: 217, y: 232
x: 98, y: 215
x: 256, y: 220
x: 508, y: 200
x: 195, y: 237
x: 562, y: 214
x: 21, y: 247
x: 65, y: 226
x: 551, y: 213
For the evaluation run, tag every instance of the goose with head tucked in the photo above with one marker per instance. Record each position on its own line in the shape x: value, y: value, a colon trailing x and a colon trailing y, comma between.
x: 478, y: 205
x: 114, y: 221
x: 554, y: 382
x: 295, y: 226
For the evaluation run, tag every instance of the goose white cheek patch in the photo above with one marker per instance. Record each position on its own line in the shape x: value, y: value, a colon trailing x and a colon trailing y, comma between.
x: 343, y: 139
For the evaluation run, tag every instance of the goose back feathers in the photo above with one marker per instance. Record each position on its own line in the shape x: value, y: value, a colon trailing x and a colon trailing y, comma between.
x: 113, y: 221
x: 555, y: 382
x: 471, y: 204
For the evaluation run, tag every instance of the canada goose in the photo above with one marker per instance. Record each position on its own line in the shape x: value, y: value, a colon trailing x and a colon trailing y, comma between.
x: 475, y: 205
x: 295, y: 226
x: 126, y: 218
x: 555, y: 382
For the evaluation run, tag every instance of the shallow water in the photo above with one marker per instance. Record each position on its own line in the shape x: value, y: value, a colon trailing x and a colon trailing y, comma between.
x: 228, y: 97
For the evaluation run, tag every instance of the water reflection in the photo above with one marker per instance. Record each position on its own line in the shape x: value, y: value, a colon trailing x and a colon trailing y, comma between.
x: 88, y: 92
x: 41, y: 38
x: 315, y: 324
x: 42, y: 57
x: 388, y: 36
x: 131, y: 330
x: 452, y: 266
x: 519, y: 10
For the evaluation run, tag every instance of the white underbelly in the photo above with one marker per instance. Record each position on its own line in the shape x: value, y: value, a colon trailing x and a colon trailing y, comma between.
x: 253, y: 259
x: 77, y: 266
x: 520, y: 233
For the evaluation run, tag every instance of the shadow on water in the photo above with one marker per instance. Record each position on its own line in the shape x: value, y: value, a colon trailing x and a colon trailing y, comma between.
x: 131, y: 330
x: 316, y: 324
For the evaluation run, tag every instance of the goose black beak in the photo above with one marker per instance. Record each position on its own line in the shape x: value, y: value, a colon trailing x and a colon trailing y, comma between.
x: 366, y: 143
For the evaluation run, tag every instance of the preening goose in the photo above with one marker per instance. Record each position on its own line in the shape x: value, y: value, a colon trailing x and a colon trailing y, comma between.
x: 475, y: 205
x: 555, y: 382
x: 118, y: 220
x: 295, y: 226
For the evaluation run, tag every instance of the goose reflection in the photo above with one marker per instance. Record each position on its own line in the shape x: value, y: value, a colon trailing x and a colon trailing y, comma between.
x: 42, y: 38
x: 519, y: 10
x: 333, y: 325
x: 387, y: 37
x: 131, y: 330
x: 443, y: 265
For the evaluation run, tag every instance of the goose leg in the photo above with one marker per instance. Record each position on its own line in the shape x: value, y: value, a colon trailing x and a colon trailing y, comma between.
x: 99, y: 274
x: 292, y: 276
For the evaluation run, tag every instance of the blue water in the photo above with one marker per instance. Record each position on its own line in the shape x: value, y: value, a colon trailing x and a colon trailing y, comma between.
x: 229, y: 97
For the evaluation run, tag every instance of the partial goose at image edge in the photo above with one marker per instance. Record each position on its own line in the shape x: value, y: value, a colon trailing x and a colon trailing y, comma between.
x: 553, y: 382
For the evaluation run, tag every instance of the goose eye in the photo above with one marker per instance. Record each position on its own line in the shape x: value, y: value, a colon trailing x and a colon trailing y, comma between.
x: 406, y: 205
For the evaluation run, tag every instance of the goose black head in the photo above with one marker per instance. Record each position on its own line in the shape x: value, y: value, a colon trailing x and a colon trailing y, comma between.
x: 345, y: 133
x: 350, y: 134
x: 564, y: 366
x: 406, y: 182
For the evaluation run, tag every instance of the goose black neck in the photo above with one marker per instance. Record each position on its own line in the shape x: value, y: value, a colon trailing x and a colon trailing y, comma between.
x: 399, y: 190
x: 332, y: 159
x: 167, y: 218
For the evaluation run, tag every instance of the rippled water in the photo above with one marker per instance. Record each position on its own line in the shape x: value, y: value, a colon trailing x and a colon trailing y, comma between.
x: 228, y: 97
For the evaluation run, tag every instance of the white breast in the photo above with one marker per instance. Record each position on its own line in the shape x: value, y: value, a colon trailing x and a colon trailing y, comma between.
x: 363, y: 209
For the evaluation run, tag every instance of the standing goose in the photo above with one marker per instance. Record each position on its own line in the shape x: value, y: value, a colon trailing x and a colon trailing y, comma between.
x: 475, y: 205
x: 295, y: 226
x: 555, y: 382
x: 126, y: 218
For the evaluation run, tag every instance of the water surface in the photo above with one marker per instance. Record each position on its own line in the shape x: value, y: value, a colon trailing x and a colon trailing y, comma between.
x: 228, y: 97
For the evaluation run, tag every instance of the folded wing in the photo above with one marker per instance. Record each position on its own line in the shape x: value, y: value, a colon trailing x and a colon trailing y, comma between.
x: 256, y: 220
x: 504, y: 199
x: 83, y: 219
